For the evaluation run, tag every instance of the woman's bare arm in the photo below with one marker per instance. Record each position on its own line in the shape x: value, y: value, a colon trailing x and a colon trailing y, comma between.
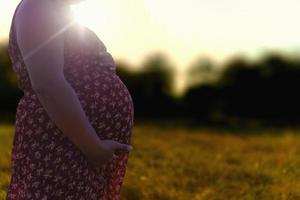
x: 37, y: 22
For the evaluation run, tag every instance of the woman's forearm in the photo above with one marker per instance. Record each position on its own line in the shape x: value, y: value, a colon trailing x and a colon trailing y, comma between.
x: 63, y: 106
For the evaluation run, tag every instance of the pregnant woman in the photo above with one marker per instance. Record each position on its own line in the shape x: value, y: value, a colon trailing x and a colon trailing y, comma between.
x: 74, y: 122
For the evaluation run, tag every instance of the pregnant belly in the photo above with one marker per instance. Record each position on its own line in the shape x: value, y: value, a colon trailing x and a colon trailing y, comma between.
x: 104, y: 98
x: 106, y: 102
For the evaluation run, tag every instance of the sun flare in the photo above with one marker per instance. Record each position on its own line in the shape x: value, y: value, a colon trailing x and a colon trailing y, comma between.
x: 90, y: 13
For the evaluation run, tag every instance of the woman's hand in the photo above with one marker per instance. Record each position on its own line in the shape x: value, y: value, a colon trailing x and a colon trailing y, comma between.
x: 107, y: 150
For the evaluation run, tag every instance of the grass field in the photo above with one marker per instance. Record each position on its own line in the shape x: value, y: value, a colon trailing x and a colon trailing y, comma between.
x: 194, y: 164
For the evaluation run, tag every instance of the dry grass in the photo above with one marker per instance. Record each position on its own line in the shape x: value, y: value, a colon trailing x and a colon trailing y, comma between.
x: 201, y: 164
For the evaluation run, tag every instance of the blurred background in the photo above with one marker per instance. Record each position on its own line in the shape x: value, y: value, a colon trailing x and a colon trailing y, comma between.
x: 214, y: 85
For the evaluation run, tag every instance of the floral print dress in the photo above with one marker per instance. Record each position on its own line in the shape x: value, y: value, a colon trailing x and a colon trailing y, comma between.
x: 45, y: 164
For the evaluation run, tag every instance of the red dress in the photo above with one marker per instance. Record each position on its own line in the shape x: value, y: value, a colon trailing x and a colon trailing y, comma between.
x: 45, y: 164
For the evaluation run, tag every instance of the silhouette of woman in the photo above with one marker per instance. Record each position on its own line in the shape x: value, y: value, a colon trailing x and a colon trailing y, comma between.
x: 74, y: 122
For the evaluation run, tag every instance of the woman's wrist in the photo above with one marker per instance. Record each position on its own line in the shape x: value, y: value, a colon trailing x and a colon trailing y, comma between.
x: 92, y: 156
x: 96, y: 150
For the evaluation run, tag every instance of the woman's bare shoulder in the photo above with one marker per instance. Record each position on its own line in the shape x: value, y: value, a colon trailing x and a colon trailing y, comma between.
x: 33, y: 9
x: 36, y: 20
x: 33, y: 12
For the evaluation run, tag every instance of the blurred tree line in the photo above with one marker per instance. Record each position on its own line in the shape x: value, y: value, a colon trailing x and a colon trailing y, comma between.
x: 264, y: 90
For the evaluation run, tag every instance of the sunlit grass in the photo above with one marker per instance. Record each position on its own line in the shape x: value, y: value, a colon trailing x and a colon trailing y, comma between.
x: 201, y: 164
x: 6, y: 136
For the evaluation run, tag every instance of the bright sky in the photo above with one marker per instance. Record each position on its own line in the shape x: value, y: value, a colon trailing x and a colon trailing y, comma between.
x: 185, y: 29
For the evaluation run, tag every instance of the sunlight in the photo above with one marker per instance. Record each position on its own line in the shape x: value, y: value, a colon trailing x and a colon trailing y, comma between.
x: 175, y: 18
x: 90, y: 13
